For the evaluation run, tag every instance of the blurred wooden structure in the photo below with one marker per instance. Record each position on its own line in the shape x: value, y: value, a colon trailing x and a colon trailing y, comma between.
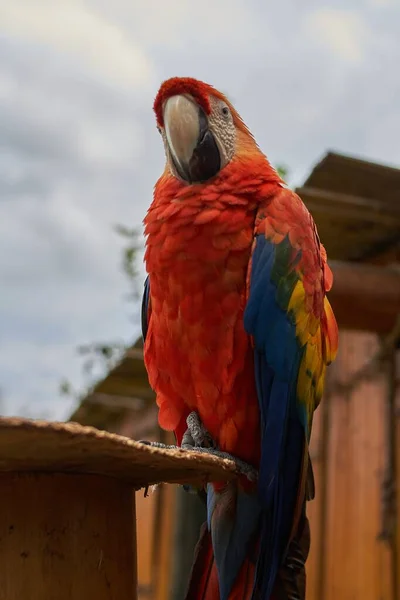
x: 355, y: 527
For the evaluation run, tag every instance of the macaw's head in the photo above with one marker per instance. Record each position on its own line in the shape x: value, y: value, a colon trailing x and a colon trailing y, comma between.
x: 201, y: 130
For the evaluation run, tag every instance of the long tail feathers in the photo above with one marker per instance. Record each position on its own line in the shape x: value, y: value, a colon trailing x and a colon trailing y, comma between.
x: 291, y: 580
x: 203, y: 581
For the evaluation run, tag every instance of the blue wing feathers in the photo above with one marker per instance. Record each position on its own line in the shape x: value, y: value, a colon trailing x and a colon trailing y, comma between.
x: 277, y: 357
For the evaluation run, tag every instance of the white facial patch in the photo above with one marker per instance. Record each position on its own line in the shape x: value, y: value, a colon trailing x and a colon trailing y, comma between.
x: 222, y: 125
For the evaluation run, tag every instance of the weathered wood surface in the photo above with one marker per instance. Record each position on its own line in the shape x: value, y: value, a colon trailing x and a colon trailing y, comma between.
x: 40, y: 446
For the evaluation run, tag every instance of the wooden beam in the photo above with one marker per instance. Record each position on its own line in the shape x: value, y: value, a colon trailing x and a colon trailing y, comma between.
x: 348, y: 200
x: 365, y: 297
x: 350, y: 208
x: 385, y: 247
x: 124, y: 386
x: 348, y: 213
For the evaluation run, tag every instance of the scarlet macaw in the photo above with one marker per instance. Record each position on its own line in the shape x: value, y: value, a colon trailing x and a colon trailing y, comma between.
x: 238, y: 331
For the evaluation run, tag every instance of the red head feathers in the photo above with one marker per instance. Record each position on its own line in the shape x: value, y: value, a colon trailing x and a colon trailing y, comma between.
x: 184, y: 85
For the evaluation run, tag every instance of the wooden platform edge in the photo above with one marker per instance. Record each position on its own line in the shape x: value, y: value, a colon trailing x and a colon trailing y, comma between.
x: 42, y: 446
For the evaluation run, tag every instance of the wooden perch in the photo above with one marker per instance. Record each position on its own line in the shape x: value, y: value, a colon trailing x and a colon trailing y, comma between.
x: 67, y: 512
x: 365, y: 297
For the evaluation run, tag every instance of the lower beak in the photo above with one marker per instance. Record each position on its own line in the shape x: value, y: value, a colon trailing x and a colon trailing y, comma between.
x: 192, y: 146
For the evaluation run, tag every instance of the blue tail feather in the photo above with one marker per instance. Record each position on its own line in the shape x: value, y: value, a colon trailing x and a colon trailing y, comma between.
x: 234, y: 517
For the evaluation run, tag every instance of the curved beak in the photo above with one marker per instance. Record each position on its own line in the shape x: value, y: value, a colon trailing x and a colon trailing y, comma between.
x: 191, y: 144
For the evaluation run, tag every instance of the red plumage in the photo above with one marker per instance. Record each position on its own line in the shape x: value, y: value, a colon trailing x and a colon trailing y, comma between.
x: 198, y: 251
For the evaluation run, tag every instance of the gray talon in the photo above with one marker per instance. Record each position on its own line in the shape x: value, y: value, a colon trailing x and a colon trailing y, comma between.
x: 187, y: 440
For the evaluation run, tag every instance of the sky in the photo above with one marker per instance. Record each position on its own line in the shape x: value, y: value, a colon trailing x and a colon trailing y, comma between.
x: 79, y: 150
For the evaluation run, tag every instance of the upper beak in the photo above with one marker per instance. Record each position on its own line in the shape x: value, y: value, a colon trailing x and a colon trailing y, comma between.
x: 192, y: 145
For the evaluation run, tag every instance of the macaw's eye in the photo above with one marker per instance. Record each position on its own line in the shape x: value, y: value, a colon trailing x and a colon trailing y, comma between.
x: 225, y: 111
x: 159, y: 130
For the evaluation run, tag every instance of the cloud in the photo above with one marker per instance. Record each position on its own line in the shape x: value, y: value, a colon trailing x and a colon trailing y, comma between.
x: 342, y: 32
x: 178, y: 25
x: 73, y: 28
x: 383, y: 3
x: 70, y: 148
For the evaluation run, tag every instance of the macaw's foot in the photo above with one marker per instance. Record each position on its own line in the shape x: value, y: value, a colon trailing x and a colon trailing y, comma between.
x: 197, y: 438
x: 243, y: 468
x: 196, y: 435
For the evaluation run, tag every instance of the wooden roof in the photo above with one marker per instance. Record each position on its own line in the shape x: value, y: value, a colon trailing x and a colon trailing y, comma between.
x: 356, y: 205
x: 123, y: 390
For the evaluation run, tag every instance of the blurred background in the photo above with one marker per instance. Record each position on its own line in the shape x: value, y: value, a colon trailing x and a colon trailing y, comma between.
x: 318, y: 84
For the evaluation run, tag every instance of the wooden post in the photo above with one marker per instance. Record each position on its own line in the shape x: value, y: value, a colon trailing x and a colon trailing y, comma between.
x: 66, y: 537
x: 67, y: 512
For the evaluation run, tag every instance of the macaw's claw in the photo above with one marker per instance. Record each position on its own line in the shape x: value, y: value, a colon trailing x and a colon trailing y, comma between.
x: 197, y: 438
x: 243, y: 468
